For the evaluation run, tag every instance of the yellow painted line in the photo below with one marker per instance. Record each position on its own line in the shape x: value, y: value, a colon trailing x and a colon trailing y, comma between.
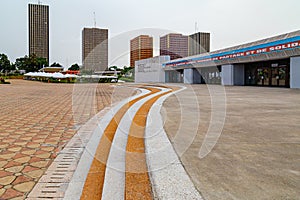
x: 93, y: 186
x: 137, y: 182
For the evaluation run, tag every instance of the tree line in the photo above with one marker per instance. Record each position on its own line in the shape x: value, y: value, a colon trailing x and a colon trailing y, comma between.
x: 30, y: 63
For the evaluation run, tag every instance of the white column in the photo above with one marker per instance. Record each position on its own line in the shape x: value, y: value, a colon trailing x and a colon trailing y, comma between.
x: 188, y: 76
x: 227, y: 75
x: 295, y: 72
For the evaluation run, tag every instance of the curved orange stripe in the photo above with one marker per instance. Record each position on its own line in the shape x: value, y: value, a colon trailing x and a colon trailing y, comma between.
x: 93, y: 186
x: 137, y: 182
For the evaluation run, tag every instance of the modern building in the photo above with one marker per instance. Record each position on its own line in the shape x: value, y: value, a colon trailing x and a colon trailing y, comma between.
x: 38, y: 18
x: 272, y: 62
x: 141, y: 47
x: 95, y: 49
x: 198, y: 43
x: 174, y: 45
x: 150, y: 70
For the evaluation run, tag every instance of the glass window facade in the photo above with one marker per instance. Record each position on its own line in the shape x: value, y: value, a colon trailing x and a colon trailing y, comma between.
x: 211, y: 75
x: 270, y: 73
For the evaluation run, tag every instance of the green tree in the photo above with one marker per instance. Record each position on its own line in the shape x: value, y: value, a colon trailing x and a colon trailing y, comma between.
x: 55, y: 64
x: 5, y: 64
x: 42, y: 62
x: 113, y: 68
x: 31, y: 63
x: 75, y: 67
x: 126, y: 69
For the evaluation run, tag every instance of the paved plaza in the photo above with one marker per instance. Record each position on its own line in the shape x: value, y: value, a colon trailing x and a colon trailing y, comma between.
x: 255, y: 131
x: 37, y: 120
x: 258, y: 153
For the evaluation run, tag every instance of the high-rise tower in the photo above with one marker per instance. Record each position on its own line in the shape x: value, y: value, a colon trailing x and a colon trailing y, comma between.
x: 141, y: 47
x: 175, y: 45
x: 38, y: 16
x: 199, y: 43
x: 95, y: 49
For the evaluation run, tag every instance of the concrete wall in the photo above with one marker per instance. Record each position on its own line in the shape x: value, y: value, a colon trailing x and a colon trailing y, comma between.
x: 239, y: 74
x: 227, y: 75
x: 233, y: 74
x: 150, y: 70
x: 188, y: 76
x: 197, y: 79
x: 192, y: 76
x: 295, y: 72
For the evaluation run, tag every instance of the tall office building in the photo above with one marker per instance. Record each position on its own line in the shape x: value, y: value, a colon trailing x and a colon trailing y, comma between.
x: 175, y: 45
x: 95, y: 49
x: 141, y: 47
x: 199, y: 43
x: 39, y: 30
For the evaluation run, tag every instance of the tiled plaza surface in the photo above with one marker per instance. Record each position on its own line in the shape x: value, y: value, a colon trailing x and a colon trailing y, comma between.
x: 37, y: 120
x: 258, y: 153
x: 256, y: 157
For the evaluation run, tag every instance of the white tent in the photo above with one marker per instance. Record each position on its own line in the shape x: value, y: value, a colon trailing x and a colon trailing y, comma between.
x: 71, y: 76
x: 58, y: 75
x: 43, y: 74
x: 38, y: 74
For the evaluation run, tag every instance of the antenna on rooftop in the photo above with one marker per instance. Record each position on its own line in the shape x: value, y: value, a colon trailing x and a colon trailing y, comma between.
x: 196, y: 27
x: 39, y: 2
x: 95, y: 22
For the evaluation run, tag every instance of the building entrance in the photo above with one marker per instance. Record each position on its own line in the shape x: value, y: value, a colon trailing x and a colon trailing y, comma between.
x: 279, y: 76
x: 263, y: 76
x: 271, y: 73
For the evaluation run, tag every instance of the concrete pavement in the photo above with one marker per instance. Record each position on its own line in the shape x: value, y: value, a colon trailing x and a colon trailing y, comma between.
x: 258, y: 153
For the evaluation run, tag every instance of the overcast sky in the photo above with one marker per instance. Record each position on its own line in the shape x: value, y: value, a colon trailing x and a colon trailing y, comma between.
x: 230, y: 22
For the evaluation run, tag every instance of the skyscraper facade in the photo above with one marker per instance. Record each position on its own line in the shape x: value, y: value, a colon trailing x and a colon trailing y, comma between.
x: 175, y: 45
x: 38, y: 16
x: 95, y: 49
x: 141, y: 47
x: 199, y: 43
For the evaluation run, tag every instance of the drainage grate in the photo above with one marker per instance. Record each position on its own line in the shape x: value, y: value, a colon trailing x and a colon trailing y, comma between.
x: 54, y: 183
x: 48, y: 191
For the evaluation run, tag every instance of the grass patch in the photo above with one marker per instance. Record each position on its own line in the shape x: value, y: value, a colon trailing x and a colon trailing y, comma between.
x: 126, y: 79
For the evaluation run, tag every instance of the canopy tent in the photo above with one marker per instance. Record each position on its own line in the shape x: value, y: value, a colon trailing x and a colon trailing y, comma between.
x: 56, y: 75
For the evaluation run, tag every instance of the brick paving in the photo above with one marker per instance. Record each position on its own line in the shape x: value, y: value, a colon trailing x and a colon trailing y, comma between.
x: 37, y: 120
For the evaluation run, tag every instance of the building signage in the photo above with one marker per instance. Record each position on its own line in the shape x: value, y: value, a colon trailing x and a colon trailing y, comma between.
x: 146, y: 67
x: 250, y: 51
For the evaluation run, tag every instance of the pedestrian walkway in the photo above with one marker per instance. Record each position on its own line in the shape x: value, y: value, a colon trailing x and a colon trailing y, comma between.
x: 121, y: 157
x: 37, y: 121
